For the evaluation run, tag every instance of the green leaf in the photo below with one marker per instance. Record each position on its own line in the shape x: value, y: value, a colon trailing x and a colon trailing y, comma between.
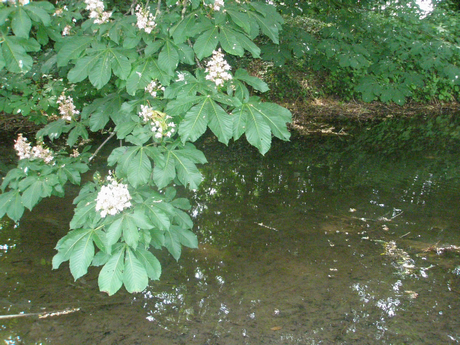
x: 121, y: 65
x: 247, y: 44
x: 165, y: 170
x: 100, y: 259
x: 168, y: 59
x: 219, y: 121
x: 153, y: 47
x: 111, y: 276
x: 172, y: 244
x: 84, y: 215
x: 53, y: 130
x: 37, y: 14
x: 157, y: 72
x: 206, y: 43
x: 156, y: 215
x: 139, y: 78
x: 98, y: 120
x: 82, y: 255
x: 139, y: 168
x: 181, y: 31
x: 268, y: 26
x: 256, y: 83
x: 11, y: 204
x: 21, y: 23
x: 194, y: 123
x: 5, y: 13
x: 186, y: 237
x: 67, y: 244
x: 257, y: 131
x: 150, y: 263
x: 229, y: 42
x: 187, y: 171
x: 114, y: 231
x: 130, y: 231
x: 101, y: 72
x: 240, y: 19
x: 183, y: 219
x: 181, y: 203
x: 15, y: 56
x: 78, y: 131
x: 72, y: 49
x: 81, y: 69
x: 69, y: 172
x: 277, y: 117
x: 135, y: 275
x: 41, y: 188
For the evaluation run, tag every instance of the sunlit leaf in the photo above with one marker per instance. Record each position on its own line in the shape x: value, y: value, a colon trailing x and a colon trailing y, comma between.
x: 206, y: 43
x: 111, y: 276
x: 150, y: 263
x: 82, y: 255
x: 135, y: 276
x: 21, y: 23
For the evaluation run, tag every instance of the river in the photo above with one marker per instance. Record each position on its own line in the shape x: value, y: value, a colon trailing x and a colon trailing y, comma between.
x: 318, y: 242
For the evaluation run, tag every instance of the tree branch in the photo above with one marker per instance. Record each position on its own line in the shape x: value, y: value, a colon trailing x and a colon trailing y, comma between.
x: 112, y: 134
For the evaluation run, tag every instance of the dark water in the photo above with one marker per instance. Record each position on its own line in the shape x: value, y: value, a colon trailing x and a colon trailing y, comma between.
x: 296, y: 248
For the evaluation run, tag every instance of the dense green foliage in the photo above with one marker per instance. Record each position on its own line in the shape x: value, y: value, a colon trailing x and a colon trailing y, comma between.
x: 367, y: 51
x: 155, y: 78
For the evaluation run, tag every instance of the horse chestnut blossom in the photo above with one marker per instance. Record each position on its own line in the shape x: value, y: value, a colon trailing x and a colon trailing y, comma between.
x: 145, y: 19
x: 159, y: 122
x: 112, y: 198
x: 217, y: 68
x: 66, y: 107
x: 96, y: 8
x: 22, y: 147
x: 218, y: 4
x: 25, y: 151
x: 66, y: 30
x: 153, y: 88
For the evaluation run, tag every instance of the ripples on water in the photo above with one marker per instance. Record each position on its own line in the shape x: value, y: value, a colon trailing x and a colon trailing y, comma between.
x: 295, y: 249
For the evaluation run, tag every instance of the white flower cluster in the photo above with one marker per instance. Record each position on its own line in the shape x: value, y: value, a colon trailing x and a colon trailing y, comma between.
x: 96, y: 8
x: 145, y: 19
x: 66, y: 107
x: 160, y: 122
x: 25, y: 151
x: 218, y: 4
x: 180, y: 77
x: 112, y: 198
x: 153, y: 88
x: 66, y: 30
x: 217, y: 68
x: 60, y: 11
x: 75, y: 153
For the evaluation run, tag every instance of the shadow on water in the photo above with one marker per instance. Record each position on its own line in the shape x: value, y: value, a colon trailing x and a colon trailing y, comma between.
x: 316, y: 243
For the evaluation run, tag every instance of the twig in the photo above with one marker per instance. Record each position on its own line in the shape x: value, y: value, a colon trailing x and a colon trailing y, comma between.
x: 40, y: 315
x: 158, y: 8
x: 266, y: 226
x: 102, y: 145
x: 404, y: 235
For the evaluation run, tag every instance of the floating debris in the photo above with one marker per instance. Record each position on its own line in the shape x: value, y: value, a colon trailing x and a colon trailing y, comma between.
x: 442, y: 250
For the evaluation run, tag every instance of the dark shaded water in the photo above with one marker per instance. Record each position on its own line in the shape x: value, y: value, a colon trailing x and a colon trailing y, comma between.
x: 295, y: 249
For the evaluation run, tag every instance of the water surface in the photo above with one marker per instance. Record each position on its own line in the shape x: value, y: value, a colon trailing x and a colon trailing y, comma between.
x: 316, y: 243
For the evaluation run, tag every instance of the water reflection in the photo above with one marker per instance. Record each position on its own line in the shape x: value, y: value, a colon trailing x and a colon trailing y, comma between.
x: 304, y: 246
